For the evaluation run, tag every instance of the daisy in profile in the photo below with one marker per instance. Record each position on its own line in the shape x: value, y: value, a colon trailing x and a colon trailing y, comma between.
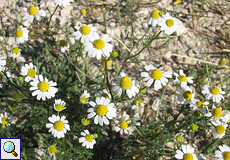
x: 63, y: 45
x: 137, y: 103
x: 220, y: 128
x: 201, y: 157
x: 154, y: 18
x: 21, y: 35
x: 3, y: 75
x: 182, y: 79
x: 179, y: 138
x: 187, y: 153
x: 214, y: 93
x: 222, y: 62
x: 168, y: 24
x: 215, y: 114
x: 202, y: 107
x: 87, y: 33
x: 102, y: 110
x: 29, y: 70
x: 225, y: 116
x: 88, y: 140
x: 33, y: 12
x: 193, y: 127
x: 5, y: 119
x: 59, y: 105
x: 156, y: 76
x: 52, y: 149
x: 126, y: 83
x: 84, y: 97
x: 168, y: 7
x: 99, y: 47
x: 2, y: 62
x: 58, y: 126
x: 85, y: 122
x: 224, y: 153
x: 63, y: 3
x: 103, y: 93
x: 42, y: 88
x: 15, y: 52
x: 185, y: 96
x: 123, y: 126
x: 134, y: 122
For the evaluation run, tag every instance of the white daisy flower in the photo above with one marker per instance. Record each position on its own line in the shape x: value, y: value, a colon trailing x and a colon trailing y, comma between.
x: 87, y: 33
x: 103, y: 93
x: 179, y: 138
x: 29, y: 70
x: 33, y: 12
x: 154, y: 18
x: 182, y: 79
x: 215, y: 114
x: 63, y: 3
x: 126, y: 83
x: 137, y: 103
x: 187, y: 153
x: 185, y: 96
x: 2, y: 61
x: 124, y: 126
x: 5, y: 119
x: 88, y: 140
x: 168, y: 7
x: 225, y: 116
x: 168, y: 24
x: 220, y: 128
x: 42, y: 88
x: 52, y: 149
x: 58, y: 126
x: 21, y: 35
x: 224, y: 153
x: 99, y: 47
x: 15, y: 52
x: 195, y: 113
x: 3, y: 77
x: 134, y: 122
x: 202, y: 107
x: 102, y: 110
x: 157, y: 75
x: 84, y: 97
x: 63, y: 45
x: 201, y: 157
x: 214, y: 93
x: 59, y: 105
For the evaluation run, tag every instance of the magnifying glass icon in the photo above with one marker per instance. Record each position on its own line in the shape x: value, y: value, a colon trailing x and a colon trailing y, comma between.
x: 9, y: 147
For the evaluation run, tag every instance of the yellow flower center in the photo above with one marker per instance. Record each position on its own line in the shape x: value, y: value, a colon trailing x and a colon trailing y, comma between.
x: 85, y: 122
x: 200, y: 104
x: 99, y: 44
x: 226, y: 156
x: 187, y: 95
x: 59, y: 125
x: 101, y: 110
x: 105, y: 95
x: 179, y: 138
x: 196, y: 113
x: 1, y: 76
x: 156, y: 74
x: 193, y: 127
x: 19, y: 33
x: 138, y: 101
x: 59, y: 107
x: 31, y: 73
x: 168, y: 6
x: 5, y: 120
x: 89, y: 137
x: 188, y: 156
x: 85, y: 30
x: 215, y: 90
x: 220, y: 129
x: 52, y: 149
x: 155, y: 14
x: 138, y: 153
x: 33, y: 10
x: 182, y: 78
x: 109, y: 62
x: 16, y: 50
x: 83, y: 99
x: 43, y: 86
x: 169, y: 22
x: 83, y: 11
x: 228, y: 120
x: 222, y: 62
x: 217, y: 112
x: 126, y: 83
x: 62, y: 43
x: 124, y: 125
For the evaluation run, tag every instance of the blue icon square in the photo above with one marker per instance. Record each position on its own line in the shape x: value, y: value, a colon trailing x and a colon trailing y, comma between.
x: 10, y: 148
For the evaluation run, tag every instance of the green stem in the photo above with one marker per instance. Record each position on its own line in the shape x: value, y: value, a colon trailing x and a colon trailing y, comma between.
x: 103, y: 12
x: 143, y: 135
x: 52, y: 15
x: 107, y: 77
